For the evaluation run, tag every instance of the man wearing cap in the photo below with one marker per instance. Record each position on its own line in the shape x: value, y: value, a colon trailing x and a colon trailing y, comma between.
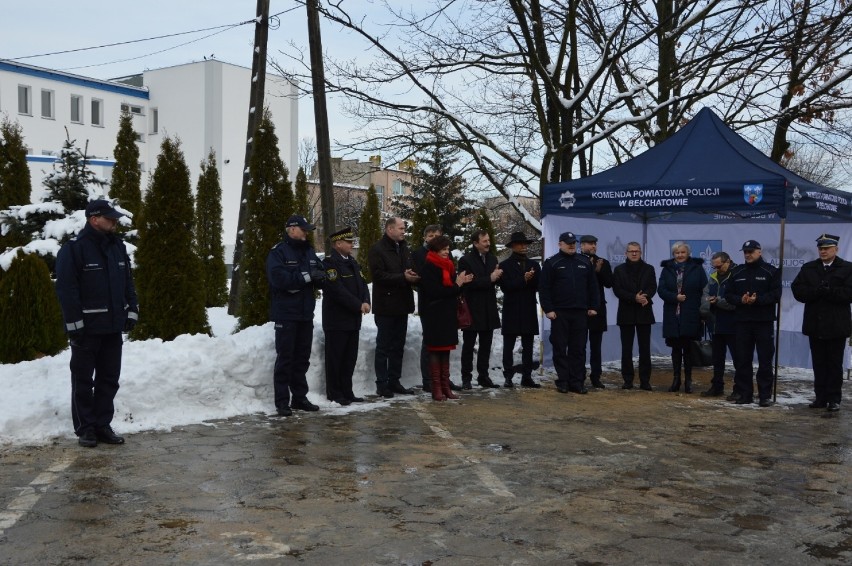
x: 825, y: 287
x: 393, y: 300
x: 345, y: 300
x: 293, y: 271
x: 98, y: 300
x: 598, y: 323
x: 520, y: 319
x: 569, y: 296
x: 754, y: 289
x: 481, y: 297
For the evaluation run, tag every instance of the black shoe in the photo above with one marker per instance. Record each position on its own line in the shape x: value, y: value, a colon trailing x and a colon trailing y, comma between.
x: 528, y: 382
x: 303, y: 405
x: 355, y: 399
x: 598, y: 384
x: 562, y: 388
x: 486, y: 382
x: 580, y: 390
x: 818, y: 404
x: 733, y: 397
x: 833, y: 406
x: 713, y: 392
x: 507, y: 383
x: 107, y: 435
x: 466, y: 384
x: 627, y: 386
x: 454, y: 387
x: 285, y: 412
x: 397, y: 387
x: 744, y: 401
x: 341, y: 401
x: 766, y: 402
x: 88, y: 439
x: 382, y: 390
x: 645, y: 387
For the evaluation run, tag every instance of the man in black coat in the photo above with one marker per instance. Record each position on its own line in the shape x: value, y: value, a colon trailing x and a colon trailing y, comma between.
x: 481, y: 297
x: 393, y: 300
x: 597, y: 324
x: 98, y: 299
x: 346, y: 300
x: 825, y: 287
x: 634, y: 283
x: 520, y: 317
x: 755, y: 290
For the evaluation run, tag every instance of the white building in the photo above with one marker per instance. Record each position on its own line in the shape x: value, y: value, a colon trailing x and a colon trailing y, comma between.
x: 204, y: 104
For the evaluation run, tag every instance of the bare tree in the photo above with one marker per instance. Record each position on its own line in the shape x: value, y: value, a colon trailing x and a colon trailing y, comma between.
x: 307, y: 154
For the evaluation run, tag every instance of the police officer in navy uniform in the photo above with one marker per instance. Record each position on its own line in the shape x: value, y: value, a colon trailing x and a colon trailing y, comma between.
x: 346, y: 300
x: 98, y: 299
x: 825, y: 287
x: 597, y: 324
x: 569, y: 295
x: 754, y: 289
x: 294, y: 272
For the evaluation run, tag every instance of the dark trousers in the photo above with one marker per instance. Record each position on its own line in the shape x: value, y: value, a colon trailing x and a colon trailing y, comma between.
x: 341, y: 353
x: 751, y: 336
x: 526, y: 355
x: 293, y: 341
x: 827, y: 359
x: 595, y: 341
x: 95, y: 368
x: 568, y: 338
x: 722, y: 344
x: 424, y: 365
x: 483, y: 356
x: 390, y: 346
x: 642, y: 332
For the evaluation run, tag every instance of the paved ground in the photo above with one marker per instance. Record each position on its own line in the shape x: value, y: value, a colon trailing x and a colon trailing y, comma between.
x: 506, y: 477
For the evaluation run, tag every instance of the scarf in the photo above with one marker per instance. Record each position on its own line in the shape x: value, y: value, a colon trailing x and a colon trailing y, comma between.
x: 679, y: 270
x: 448, y: 270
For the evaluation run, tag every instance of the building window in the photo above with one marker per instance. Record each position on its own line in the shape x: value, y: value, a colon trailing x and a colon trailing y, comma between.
x: 397, y: 187
x: 155, y: 121
x: 97, y: 112
x: 130, y: 108
x: 25, y: 100
x: 77, y: 108
x: 47, y: 104
x: 140, y: 137
x: 380, y: 192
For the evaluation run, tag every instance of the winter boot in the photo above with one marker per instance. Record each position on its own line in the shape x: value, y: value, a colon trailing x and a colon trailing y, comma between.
x: 445, y: 378
x: 687, y: 378
x: 677, y: 360
x: 435, y: 375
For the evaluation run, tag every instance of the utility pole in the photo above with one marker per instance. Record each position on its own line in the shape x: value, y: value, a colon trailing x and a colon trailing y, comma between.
x: 321, y: 121
x: 258, y: 89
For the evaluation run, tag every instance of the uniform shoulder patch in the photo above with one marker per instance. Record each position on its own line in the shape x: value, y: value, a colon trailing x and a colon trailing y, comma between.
x: 331, y: 274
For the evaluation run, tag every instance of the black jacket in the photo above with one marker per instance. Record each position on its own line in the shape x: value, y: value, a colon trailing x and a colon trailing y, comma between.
x: 756, y: 277
x: 392, y: 294
x: 481, y: 293
x: 568, y: 282
x: 520, y: 307
x: 626, y: 283
x: 682, y: 320
x: 438, y: 308
x: 344, y: 292
x: 291, y: 291
x: 604, y: 276
x: 94, y: 283
x: 827, y: 295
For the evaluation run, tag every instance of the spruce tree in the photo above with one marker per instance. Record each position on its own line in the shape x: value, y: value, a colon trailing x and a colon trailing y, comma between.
x: 15, y: 181
x: 72, y: 183
x: 125, y: 187
x: 370, y: 231
x: 424, y: 215
x: 270, y: 203
x: 302, y: 205
x: 29, y: 308
x: 168, y: 272
x: 208, y: 233
x: 483, y: 222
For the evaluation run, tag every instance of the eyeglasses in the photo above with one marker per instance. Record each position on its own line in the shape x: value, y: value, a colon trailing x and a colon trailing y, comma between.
x: 634, y: 251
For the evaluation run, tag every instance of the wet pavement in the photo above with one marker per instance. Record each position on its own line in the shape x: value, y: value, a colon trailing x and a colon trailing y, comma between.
x: 500, y: 477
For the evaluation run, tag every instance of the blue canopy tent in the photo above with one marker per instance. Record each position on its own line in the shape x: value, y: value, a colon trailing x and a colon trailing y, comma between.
x: 709, y: 187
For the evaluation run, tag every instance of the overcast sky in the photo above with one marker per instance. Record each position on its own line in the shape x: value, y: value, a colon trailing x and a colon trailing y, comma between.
x: 58, y: 25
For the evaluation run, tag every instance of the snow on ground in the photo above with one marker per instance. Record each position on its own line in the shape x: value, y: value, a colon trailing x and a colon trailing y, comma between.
x: 193, y: 379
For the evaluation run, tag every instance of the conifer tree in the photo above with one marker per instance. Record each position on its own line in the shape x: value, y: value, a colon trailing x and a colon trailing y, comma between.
x: 424, y: 215
x: 370, y: 231
x: 270, y: 203
x: 168, y: 271
x: 125, y: 187
x: 302, y: 206
x: 15, y: 180
x: 29, y: 308
x: 208, y: 233
x: 483, y: 222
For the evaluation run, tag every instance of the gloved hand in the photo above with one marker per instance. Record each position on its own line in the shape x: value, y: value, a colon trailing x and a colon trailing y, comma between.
x: 318, y: 275
x: 75, y: 336
x: 129, y: 324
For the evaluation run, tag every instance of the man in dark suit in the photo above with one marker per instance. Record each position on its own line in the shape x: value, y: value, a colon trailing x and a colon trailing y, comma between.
x: 520, y: 317
x: 597, y: 323
x: 481, y: 297
x: 825, y: 286
x: 346, y: 300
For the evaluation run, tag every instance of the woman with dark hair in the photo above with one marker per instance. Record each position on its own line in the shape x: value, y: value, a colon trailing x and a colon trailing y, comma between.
x: 439, y: 289
x: 682, y: 282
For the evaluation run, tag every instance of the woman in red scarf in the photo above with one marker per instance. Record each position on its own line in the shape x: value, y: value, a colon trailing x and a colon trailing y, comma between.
x: 438, y: 291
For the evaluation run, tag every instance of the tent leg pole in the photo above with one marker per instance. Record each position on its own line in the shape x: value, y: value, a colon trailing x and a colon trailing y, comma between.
x: 778, y: 314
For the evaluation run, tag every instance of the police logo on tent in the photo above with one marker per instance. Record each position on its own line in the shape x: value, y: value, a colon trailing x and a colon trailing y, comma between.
x: 567, y: 199
x: 752, y: 194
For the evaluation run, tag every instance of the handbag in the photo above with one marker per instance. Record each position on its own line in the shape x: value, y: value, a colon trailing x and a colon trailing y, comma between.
x: 701, y: 351
x: 465, y: 319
